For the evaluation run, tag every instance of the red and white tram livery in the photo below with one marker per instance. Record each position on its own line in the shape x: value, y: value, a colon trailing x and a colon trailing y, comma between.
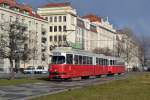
x: 71, y: 63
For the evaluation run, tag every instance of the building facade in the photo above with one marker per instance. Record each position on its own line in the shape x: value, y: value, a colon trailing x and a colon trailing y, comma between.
x: 67, y: 27
x: 58, y: 24
x: 62, y: 23
x: 11, y: 11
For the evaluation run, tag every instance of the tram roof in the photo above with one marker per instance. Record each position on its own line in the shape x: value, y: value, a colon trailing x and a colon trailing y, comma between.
x: 71, y: 50
x: 81, y: 52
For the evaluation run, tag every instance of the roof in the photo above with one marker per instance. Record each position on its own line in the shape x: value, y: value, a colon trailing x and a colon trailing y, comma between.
x: 13, y: 4
x: 92, y: 18
x: 80, y: 52
x: 56, y: 5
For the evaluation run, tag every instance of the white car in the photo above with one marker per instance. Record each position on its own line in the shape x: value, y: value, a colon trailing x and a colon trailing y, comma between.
x: 41, y: 70
x: 30, y: 70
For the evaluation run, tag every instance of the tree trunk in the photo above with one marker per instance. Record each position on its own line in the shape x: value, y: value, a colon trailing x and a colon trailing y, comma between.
x: 12, y: 74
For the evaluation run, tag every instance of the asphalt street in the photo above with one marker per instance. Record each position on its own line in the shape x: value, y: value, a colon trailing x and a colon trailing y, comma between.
x: 32, y: 90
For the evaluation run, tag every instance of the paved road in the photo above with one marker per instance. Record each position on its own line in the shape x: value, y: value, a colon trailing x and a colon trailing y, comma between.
x: 28, y: 91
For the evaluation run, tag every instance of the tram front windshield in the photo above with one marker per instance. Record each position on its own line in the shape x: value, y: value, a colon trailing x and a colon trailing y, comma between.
x: 58, y: 59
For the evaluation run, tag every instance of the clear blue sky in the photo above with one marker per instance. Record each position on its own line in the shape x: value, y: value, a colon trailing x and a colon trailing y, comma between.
x: 122, y: 13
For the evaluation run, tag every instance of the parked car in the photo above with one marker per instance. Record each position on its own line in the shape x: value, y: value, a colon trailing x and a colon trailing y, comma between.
x: 41, y: 70
x: 29, y: 70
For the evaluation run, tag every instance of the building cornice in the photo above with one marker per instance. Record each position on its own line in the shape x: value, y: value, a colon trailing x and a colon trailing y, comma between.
x: 25, y: 15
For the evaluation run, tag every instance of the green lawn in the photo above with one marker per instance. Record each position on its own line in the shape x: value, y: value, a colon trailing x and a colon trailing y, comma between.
x: 136, y: 87
x: 5, y: 82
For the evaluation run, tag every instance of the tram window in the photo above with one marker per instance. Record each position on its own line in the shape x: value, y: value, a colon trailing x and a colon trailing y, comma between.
x: 110, y: 62
x: 69, y: 59
x: 100, y: 61
x: 91, y: 60
x: 106, y: 62
x: 80, y: 59
x: 84, y: 60
x: 97, y: 61
x: 88, y: 60
x: 114, y: 62
x: 58, y: 60
x: 76, y: 59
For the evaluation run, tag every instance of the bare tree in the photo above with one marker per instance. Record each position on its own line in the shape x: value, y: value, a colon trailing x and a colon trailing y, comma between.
x: 144, y: 42
x: 119, y: 47
x: 13, y: 39
x: 128, y: 46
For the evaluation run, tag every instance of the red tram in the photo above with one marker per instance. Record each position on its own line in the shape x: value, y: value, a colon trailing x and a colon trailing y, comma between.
x: 71, y: 63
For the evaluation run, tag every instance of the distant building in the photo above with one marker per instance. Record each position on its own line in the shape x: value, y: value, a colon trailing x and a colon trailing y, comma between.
x: 37, y: 32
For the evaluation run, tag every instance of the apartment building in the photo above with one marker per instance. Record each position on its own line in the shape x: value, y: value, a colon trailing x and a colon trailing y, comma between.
x: 62, y: 23
x: 11, y: 11
x: 67, y: 27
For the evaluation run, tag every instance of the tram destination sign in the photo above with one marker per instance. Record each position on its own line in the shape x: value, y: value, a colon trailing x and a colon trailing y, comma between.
x: 56, y: 53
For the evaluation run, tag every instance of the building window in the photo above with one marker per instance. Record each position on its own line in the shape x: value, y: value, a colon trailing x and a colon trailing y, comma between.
x: 55, y: 19
x: 64, y: 18
x: 46, y: 18
x: 44, y: 40
x: 29, y: 23
x: 60, y: 28
x: 2, y: 16
x: 43, y: 32
x: 11, y: 18
x: 64, y: 28
x: 17, y: 19
x: 64, y: 37
x: 50, y: 38
x: 23, y: 20
x: 43, y: 57
x: 55, y: 28
x: 51, y: 29
x: 55, y: 38
x: 51, y: 19
x: 60, y: 18
x: 59, y: 38
x: 43, y: 50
